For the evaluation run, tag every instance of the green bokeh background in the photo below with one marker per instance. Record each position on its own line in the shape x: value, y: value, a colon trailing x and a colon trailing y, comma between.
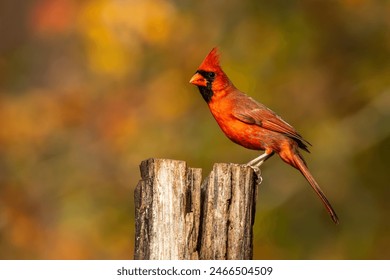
x: 89, y: 89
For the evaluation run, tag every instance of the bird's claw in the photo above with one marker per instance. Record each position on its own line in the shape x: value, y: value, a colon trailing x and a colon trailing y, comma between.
x: 257, y: 171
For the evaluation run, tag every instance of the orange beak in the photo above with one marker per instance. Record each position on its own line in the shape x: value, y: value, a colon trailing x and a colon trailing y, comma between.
x: 198, y: 80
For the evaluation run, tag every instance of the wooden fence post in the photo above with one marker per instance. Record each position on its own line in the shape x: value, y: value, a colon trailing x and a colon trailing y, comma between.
x: 178, y: 218
x: 167, y: 203
x: 229, y: 196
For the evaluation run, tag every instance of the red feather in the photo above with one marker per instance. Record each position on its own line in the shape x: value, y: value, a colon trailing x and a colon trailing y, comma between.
x: 211, y: 62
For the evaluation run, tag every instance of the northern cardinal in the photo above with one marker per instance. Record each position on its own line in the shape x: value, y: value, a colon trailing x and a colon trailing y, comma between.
x: 250, y: 123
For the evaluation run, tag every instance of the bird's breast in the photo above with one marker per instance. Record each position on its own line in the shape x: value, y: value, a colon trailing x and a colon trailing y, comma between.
x: 247, y: 135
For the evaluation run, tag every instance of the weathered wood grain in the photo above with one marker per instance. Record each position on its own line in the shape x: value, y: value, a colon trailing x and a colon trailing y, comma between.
x: 228, y: 213
x: 178, y: 218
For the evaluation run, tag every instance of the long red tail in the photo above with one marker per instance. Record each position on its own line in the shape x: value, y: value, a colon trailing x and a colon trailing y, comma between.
x: 300, y: 164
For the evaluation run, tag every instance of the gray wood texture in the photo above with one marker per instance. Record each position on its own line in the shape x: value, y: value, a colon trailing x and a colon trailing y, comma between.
x: 178, y: 218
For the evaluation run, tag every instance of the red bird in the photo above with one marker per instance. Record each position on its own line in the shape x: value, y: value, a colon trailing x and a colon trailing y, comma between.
x: 250, y: 123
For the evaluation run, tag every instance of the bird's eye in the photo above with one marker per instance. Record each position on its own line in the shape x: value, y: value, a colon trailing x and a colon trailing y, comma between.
x: 212, y: 75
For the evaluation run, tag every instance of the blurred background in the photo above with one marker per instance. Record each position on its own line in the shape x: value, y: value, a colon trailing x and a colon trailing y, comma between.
x: 89, y: 89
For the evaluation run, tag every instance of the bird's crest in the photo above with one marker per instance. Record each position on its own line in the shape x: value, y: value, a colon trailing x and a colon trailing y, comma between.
x: 211, y: 62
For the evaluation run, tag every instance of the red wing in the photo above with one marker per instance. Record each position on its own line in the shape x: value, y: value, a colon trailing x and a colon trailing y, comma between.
x: 258, y: 114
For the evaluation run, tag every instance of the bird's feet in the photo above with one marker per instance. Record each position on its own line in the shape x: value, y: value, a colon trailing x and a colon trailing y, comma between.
x: 257, y: 171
